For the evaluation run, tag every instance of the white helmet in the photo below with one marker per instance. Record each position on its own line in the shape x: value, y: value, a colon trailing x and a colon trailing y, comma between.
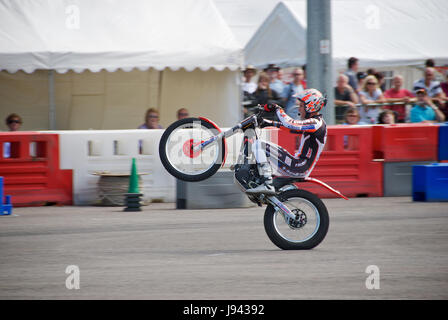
x: 313, y: 99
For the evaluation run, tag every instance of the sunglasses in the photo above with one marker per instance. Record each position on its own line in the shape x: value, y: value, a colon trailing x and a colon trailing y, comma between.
x: 297, y: 74
x: 352, y: 115
x: 153, y: 117
x: 183, y: 114
x: 371, y: 82
x: 14, y: 121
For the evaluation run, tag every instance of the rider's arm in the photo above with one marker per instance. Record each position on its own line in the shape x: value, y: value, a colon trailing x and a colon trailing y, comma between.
x: 307, y: 125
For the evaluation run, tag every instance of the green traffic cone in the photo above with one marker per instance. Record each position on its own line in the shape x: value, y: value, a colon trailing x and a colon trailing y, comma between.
x: 132, y: 198
x: 133, y: 179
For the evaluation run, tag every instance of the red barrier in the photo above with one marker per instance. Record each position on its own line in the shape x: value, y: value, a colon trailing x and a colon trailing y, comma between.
x: 346, y: 163
x: 406, y: 142
x: 29, y: 163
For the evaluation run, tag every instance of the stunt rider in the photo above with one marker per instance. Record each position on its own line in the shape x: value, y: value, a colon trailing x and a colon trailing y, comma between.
x: 270, y: 156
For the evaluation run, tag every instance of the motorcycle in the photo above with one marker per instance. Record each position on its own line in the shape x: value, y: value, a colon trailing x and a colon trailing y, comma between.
x: 194, y: 149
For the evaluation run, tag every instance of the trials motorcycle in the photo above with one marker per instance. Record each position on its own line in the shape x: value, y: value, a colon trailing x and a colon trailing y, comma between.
x: 194, y: 149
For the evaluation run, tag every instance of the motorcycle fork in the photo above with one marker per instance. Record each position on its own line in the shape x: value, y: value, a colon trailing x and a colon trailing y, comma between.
x: 287, y: 214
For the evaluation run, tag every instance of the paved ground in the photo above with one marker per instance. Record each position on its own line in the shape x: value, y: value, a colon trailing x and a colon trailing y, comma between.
x: 161, y: 253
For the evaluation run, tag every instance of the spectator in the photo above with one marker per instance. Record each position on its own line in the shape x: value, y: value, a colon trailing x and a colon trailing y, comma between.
x: 293, y: 88
x: 182, y: 113
x: 369, y: 95
x: 249, y: 73
x: 275, y: 84
x: 264, y: 94
x: 352, y: 116
x: 304, y: 76
x: 444, y: 86
x: 360, y: 76
x: 352, y: 64
x: 387, y: 117
x: 280, y: 75
x: 151, y: 120
x: 343, y: 93
x: 425, y: 110
x: 431, y: 86
x: 14, y: 122
x: 381, y: 82
x: 398, y: 94
x: 371, y: 71
x: 430, y: 63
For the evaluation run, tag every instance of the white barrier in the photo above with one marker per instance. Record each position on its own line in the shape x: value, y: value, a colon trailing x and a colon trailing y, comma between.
x: 88, y: 151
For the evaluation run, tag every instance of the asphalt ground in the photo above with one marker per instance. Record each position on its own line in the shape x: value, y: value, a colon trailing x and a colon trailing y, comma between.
x: 162, y: 253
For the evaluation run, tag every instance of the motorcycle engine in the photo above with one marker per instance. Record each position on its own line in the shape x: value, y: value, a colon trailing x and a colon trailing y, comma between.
x: 247, y: 176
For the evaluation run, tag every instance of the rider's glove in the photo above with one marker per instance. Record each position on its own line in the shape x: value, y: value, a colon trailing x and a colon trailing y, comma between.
x: 269, y: 123
x: 271, y: 107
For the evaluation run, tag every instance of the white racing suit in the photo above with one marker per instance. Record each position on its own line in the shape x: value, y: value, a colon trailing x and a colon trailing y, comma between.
x: 271, y: 157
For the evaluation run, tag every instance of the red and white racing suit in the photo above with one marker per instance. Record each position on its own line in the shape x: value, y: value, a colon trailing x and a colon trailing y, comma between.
x: 299, y: 165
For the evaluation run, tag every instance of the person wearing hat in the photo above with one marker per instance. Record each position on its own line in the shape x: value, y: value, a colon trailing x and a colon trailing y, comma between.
x: 275, y: 84
x: 248, y: 74
x: 424, y: 109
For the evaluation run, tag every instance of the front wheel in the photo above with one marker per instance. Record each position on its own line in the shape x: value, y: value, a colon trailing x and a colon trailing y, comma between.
x: 177, y: 153
x: 307, y: 230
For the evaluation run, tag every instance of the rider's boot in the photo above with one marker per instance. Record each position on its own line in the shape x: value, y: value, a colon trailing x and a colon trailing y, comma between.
x: 266, y: 187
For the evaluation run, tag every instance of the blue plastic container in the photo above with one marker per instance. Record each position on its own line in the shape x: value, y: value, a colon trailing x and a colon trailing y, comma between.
x: 443, y: 141
x: 430, y: 182
x: 5, y: 201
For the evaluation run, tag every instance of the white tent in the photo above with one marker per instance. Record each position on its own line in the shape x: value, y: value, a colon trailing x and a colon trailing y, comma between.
x: 244, y: 17
x: 180, y: 53
x: 378, y: 32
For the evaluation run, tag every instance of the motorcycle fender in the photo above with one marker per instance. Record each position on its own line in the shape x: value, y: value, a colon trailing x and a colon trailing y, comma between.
x: 219, y: 130
x: 326, y: 186
x: 287, y: 187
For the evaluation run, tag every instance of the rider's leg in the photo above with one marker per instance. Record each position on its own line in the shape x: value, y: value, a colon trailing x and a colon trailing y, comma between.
x: 264, y: 169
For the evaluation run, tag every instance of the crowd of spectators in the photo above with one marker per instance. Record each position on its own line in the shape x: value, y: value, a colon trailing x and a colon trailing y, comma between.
x: 363, y: 95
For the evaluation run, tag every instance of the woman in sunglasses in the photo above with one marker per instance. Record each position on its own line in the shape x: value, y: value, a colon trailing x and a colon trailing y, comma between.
x: 14, y: 122
x: 370, y: 94
x: 151, y: 120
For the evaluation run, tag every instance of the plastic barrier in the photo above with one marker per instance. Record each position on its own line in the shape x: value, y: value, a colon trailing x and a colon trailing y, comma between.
x: 90, y: 151
x: 29, y: 163
x: 398, y: 178
x: 216, y: 192
x: 5, y: 201
x: 430, y: 182
x: 406, y: 142
x: 443, y: 142
x: 347, y: 165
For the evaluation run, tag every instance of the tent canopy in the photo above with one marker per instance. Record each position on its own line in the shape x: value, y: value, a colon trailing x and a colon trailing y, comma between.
x: 93, y: 35
x: 378, y: 32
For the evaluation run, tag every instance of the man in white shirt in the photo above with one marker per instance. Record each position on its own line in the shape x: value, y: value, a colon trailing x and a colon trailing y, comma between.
x: 249, y: 73
x: 431, y: 86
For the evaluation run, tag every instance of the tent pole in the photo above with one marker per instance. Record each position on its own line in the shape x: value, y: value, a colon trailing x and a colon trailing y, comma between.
x: 159, y: 95
x: 52, y: 106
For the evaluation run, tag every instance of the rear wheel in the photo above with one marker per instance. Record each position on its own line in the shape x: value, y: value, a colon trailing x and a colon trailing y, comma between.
x: 177, y: 153
x: 309, y: 227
